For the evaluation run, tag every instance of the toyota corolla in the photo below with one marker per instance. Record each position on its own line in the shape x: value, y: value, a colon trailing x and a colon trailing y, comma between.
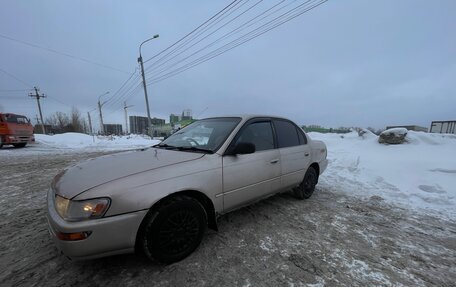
x: 160, y: 200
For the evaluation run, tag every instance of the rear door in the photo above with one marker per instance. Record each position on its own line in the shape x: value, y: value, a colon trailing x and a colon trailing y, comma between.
x: 294, y: 152
x: 249, y: 177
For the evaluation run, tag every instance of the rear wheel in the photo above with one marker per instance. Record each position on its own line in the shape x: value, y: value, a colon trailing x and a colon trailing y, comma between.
x: 174, y: 230
x: 19, y: 145
x: 307, y: 186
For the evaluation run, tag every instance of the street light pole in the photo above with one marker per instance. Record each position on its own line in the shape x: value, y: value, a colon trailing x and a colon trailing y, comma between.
x: 101, y: 114
x: 140, y: 61
x: 126, y: 116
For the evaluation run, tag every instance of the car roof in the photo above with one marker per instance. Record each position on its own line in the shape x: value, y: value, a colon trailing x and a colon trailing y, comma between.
x: 246, y: 117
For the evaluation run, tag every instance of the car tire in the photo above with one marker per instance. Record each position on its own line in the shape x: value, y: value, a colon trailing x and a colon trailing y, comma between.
x: 19, y: 145
x: 307, y: 186
x: 1, y: 142
x: 174, y: 230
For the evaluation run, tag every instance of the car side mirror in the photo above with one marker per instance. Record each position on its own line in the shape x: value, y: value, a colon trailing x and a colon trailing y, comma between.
x: 243, y: 148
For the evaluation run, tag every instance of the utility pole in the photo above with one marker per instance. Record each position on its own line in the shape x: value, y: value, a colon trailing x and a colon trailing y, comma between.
x: 140, y: 61
x: 101, y: 118
x: 90, y: 123
x: 101, y: 114
x: 126, y: 117
x: 38, y: 96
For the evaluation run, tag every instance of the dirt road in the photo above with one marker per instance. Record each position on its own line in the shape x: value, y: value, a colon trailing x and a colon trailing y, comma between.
x: 329, y: 240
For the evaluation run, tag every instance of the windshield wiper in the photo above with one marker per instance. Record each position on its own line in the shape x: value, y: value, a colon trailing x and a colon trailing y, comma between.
x: 165, y: 146
x: 192, y: 148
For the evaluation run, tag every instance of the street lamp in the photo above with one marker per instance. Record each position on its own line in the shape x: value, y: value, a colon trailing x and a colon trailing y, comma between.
x: 99, y: 110
x: 140, y: 61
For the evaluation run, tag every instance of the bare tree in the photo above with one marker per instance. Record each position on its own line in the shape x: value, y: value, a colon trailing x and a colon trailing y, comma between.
x: 76, y: 121
x: 59, y: 121
x: 72, y: 122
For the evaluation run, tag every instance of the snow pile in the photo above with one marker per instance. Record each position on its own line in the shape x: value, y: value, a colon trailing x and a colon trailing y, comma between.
x: 396, y: 131
x: 420, y: 173
x: 79, y: 141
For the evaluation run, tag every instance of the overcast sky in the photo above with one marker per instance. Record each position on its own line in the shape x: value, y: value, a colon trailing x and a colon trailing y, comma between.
x: 344, y: 63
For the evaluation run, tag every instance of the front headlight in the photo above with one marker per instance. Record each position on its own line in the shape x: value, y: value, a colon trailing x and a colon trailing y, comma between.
x: 77, y: 210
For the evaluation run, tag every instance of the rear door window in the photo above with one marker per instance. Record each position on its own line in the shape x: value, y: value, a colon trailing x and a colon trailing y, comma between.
x: 302, y: 137
x: 287, y: 135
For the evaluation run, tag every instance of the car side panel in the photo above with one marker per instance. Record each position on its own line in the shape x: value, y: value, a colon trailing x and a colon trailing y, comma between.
x: 295, y: 161
x: 319, y: 154
x: 249, y: 177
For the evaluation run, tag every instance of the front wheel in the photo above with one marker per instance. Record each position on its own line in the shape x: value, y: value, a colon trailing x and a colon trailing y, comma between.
x: 175, y: 230
x: 307, y: 186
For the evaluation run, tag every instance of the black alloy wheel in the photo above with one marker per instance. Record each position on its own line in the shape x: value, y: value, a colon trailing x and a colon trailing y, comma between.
x: 175, y: 230
x: 307, y: 186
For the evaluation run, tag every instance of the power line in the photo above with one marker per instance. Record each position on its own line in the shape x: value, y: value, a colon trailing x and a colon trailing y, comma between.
x: 181, y: 39
x: 16, y: 78
x: 59, y: 101
x: 240, y: 28
x: 132, y: 88
x: 154, y: 65
x: 13, y: 91
x: 121, y: 87
x: 12, y: 97
x: 208, y: 25
x: 161, y: 75
x: 239, y: 41
x: 62, y: 53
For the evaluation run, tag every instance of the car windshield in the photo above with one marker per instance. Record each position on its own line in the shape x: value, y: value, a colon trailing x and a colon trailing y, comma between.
x: 201, y: 136
x: 16, y: 119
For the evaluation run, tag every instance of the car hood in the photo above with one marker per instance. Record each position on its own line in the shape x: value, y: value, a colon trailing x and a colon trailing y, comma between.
x: 94, y: 172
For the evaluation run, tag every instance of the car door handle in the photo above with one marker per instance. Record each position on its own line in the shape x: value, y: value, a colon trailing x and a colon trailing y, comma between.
x: 306, y: 154
x: 274, y: 160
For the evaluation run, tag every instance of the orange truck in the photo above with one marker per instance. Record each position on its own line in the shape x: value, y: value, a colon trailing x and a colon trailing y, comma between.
x: 15, y: 130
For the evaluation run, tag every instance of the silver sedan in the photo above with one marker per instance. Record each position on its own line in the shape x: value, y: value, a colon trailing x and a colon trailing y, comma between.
x: 160, y: 200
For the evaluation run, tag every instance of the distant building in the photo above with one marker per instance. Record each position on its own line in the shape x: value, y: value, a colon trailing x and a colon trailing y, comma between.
x: 410, y: 128
x: 157, y: 121
x: 186, y: 115
x: 112, y: 129
x: 162, y: 130
x: 173, y: 118
x: 443, y: 127
x: 138, y: 125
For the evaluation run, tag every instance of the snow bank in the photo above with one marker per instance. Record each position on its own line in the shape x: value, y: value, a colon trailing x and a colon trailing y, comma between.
x: 420, y: 173
x: 79, y: 141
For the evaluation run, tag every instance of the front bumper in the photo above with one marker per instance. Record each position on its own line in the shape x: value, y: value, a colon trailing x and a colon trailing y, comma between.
x: 15, y: 139
x: 109, y: 235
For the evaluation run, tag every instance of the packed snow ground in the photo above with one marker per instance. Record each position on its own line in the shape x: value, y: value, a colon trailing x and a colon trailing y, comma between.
x: 420, y: 173
x: 351, y: 232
